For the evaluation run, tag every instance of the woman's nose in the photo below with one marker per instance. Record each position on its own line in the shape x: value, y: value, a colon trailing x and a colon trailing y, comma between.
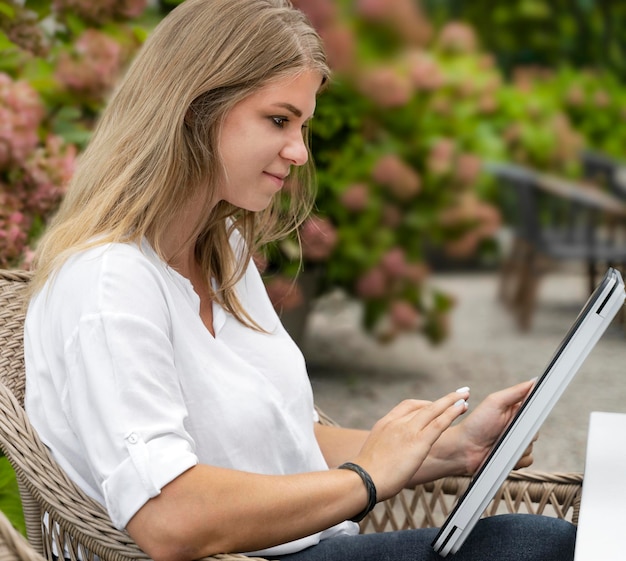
x: 295, y: 150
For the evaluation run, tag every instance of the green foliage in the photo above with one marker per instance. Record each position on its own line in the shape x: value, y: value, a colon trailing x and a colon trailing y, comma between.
x: 398, y: 136
x: 437, y: 106
x: 10, y: 502
x: 583, y: 33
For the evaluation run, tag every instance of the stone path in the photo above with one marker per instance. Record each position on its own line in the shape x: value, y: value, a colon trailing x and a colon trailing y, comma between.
x: 357, y: 381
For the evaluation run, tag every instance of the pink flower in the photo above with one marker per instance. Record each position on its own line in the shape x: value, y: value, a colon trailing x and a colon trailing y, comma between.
x: 463, y: 247
x: 94, y: 66
x: 444, y: 148
x: 481, y: 218
x: 321, y: 13
x: 416, y: 272
x: 374, y: 10
x: 424, y: 72
x: 394, y: 263
x: 372, y: 284
x: 340, y: 45
x: 457, y: 37
x: 28, y: 256
x: 386, y: 86
x: 130, y: 9
x: 487, y: 104
x: 319, y: 238
x: 401, y: 179
x: 21, y: 113
x: 355, y: 197
x: 14, y: 226
x: 404, y: 17
x: 404, y: 315
x: 48, y: 171
x: 285, y: 294
x: 468, y: 167
x: 440, y: 159
x: 102, y: 11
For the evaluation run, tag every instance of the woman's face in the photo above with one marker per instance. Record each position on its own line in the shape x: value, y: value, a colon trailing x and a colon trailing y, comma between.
x: 262, y: 137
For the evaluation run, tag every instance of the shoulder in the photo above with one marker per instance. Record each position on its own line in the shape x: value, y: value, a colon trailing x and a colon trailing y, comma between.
x: 112, y: 277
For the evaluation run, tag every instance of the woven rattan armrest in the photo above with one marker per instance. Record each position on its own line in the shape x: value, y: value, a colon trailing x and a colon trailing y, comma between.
x: 428, y: 505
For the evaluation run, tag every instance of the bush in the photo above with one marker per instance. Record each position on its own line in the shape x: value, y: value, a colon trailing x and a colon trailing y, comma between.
x: 398, y: 139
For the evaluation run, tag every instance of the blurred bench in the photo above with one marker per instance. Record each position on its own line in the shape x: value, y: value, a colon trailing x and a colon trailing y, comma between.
x: 604, y: 170
x: 554, y: 219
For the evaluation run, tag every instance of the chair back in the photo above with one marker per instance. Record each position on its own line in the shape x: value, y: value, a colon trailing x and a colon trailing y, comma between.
x: 12, y: 304
x: 55, y: 510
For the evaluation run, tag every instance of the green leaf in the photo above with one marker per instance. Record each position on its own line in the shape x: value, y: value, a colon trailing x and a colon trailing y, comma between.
x: 7, y: 10
x: 140, y: 33
x: 5, y: 43
x: 10, y: 502
x: 75, y: 24
x: 41, y: 7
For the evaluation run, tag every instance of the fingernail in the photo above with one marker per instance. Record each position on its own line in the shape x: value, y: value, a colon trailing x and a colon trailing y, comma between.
x: 534, y: 379
x: 461, y: 403
x: 464, y: 389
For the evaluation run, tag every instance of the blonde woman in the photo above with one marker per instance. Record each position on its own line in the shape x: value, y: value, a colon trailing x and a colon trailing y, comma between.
x: 157, y: 371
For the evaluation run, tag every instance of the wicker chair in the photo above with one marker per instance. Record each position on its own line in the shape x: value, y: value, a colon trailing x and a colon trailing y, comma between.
x: 13, y: 546
x: 84, y: 526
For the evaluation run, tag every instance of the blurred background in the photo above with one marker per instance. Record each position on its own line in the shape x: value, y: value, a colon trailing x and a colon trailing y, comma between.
x: 464, y: 150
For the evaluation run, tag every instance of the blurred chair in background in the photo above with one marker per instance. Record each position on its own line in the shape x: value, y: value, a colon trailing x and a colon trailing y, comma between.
x: 554, y: 220
x: 605, y: 171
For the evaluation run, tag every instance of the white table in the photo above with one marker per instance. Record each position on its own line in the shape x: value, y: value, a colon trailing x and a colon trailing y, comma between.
x: 602, y: 522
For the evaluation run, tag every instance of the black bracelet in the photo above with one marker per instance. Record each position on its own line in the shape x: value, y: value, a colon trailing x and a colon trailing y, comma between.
x: 369, y: 485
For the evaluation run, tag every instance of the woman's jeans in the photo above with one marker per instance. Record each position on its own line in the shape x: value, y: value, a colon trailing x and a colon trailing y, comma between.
x: 508, y: 537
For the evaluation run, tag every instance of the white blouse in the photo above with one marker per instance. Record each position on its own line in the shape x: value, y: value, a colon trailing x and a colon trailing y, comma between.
x: 129, y: 389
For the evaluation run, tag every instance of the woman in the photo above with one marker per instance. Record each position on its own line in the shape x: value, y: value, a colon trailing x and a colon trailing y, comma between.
x: 157, y: 371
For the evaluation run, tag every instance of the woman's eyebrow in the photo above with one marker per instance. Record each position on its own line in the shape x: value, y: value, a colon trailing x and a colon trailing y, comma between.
x: 290, y: 108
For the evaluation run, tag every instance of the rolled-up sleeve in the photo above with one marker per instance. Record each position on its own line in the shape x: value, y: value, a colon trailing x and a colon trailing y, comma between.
x: 124, y: 399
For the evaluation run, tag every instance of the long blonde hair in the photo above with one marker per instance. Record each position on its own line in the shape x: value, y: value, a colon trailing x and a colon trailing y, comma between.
x: 155, y: 145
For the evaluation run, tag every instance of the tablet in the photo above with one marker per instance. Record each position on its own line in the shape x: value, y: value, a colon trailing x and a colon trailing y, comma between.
x: 592, y: 321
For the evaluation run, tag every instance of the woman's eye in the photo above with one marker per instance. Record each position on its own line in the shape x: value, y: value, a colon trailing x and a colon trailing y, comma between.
x: 280, y: 121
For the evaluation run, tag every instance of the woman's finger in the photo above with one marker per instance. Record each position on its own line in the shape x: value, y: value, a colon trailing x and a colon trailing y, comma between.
x: 513, y: 395
x: 439, y: 415
x: 410, y: 407
x: 406, y: 407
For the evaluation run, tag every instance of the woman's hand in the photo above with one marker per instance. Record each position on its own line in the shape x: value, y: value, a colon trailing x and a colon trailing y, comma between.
x: 399, y: 443
x: 480, y: 430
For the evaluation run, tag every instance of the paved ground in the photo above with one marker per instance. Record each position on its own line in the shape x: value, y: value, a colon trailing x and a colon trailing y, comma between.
x: 357, y: 381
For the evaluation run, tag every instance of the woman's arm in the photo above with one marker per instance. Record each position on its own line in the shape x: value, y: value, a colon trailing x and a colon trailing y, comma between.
x: 208, y: 510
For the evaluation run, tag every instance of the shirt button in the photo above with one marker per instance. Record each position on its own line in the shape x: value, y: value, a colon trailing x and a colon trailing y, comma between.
x: 133, y: 438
